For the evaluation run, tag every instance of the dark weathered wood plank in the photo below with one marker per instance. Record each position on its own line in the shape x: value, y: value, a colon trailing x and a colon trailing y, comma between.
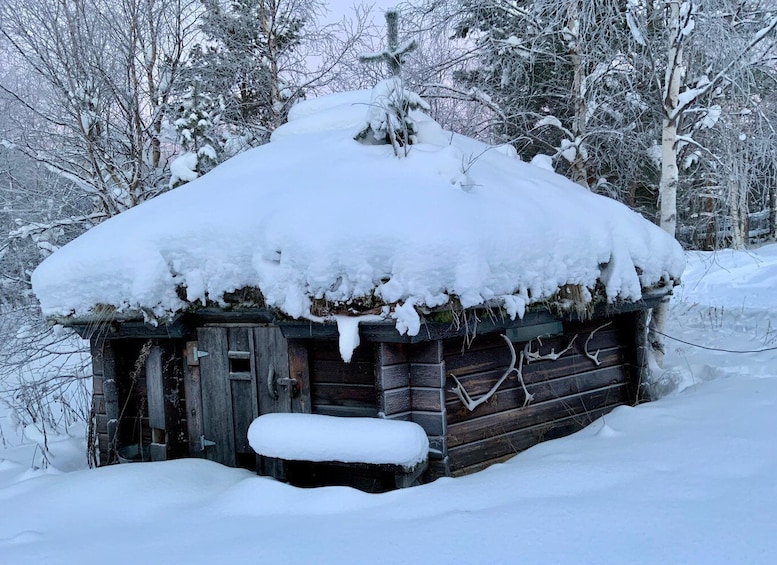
x: 98, y: 402
x: 392, y: 376
x: 402, y: 416
x: 427, y: 374
x: 391, y: 353
x: 481, y: 342
x: 111, y: 395
x: 242, y: 355
x: 243, y: 385
x: 348, y: 411
x: 514, y: 442
x: 155, y: 390
x: 343, y: 395
x: 605, y: 337
x: 491, y: 359
x: 246, y: 376
x: 478, y: 383
x: 426, y: 352
x: 272, y: 368
x: 97, y: 383
x: 497, y: 424
x: 193, y: 396
x: 480, y: 466
x: 299, y: 368
x: 478, y: 361
x: 216, y: 395
x: 462, y: 345
x: 239, y: 339
x: 427, y: 399
x: 511, y: 395
x: 329, y: 350
x: 109, y: 381
x: 101, y: 423
x: 96, y: 350
x: 243, y: 410
x: 336, y: 371
x: 433, y: 423
x: 396, y: 401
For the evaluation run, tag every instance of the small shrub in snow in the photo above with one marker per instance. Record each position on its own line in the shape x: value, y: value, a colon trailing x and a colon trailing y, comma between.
x: 389, y: 118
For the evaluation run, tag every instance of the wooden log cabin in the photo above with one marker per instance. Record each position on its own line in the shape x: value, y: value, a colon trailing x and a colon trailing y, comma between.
x: 192, y: 388
x: 202, y: 324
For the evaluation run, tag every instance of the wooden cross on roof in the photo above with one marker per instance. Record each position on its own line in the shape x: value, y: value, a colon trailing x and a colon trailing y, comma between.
x: 394, y: 54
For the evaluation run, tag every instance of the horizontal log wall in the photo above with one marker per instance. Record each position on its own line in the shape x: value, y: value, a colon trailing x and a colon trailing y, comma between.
x: 342, y: 389
x: 427, y: 382
x: 410, y: 380
x: 569, y: 393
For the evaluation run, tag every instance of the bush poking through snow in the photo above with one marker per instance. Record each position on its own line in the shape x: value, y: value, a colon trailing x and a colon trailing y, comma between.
x: 389, y: 119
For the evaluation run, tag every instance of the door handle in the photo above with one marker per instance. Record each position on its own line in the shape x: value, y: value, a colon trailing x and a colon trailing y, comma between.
x: 273, y: 383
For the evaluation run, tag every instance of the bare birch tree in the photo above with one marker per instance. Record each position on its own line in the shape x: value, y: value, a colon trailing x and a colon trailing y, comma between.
x: 105, y: 71
x: 687, y: 93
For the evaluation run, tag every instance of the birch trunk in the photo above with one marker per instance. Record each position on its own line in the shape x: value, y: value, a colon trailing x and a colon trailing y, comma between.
x: 578, y: 166
x: 675, y: 70
x: 667, y: 191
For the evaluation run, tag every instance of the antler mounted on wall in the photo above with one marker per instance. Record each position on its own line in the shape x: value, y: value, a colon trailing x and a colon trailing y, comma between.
x: 526, y: 355
x: 594, y: 356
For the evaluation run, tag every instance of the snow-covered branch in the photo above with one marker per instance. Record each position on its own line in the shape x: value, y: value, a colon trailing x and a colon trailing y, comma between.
x: 29, y: 229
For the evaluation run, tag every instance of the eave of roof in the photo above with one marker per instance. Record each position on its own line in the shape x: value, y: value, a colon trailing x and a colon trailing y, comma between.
x: 482, y: 320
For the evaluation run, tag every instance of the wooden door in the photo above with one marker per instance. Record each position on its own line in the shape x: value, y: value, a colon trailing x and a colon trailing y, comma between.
x: 224, y: 383
x: 244, y: 372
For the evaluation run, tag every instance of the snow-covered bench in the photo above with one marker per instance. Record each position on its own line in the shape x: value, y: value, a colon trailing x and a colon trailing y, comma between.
x: 398, y: 446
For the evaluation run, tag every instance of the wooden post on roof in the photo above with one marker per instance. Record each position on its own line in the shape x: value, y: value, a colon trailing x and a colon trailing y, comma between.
x: 394, y: 53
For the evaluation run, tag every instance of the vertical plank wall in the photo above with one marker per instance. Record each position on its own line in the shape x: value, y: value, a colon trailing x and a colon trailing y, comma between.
x: 569, y: 393
x: 121, y: 403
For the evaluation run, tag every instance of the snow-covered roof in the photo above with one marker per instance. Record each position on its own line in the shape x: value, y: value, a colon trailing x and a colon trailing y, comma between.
x: 317, y: 215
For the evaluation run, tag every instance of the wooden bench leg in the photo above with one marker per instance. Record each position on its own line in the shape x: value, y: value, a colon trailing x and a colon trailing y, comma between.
x: 410, y: 477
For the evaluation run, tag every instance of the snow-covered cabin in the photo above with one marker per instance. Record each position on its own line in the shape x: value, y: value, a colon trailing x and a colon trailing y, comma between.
x: 330, y: 273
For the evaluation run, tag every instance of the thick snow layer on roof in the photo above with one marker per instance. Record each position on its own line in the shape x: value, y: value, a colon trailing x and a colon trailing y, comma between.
x: 317, y: 215
x: 314, y: 437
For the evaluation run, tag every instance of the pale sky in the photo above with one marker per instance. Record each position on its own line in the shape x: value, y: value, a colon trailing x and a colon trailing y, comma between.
x: 340, y: 8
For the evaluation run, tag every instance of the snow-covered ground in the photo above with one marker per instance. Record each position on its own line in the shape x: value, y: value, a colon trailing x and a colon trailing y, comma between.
x: 691, y: 478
